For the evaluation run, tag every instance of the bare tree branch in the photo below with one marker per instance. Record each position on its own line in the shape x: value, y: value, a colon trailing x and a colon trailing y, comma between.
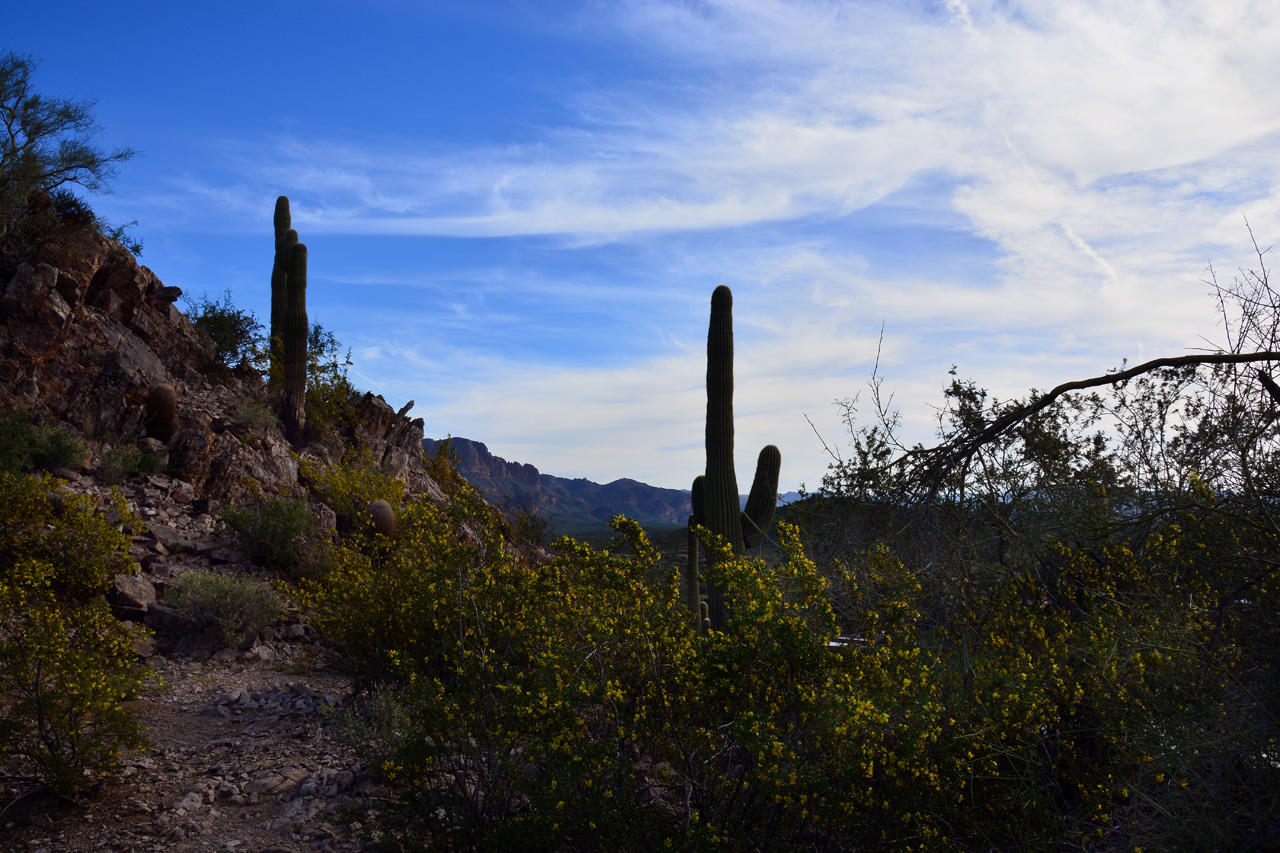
x: 940, y: 461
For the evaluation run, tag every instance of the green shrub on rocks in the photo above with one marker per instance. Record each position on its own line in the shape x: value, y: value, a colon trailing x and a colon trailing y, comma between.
x: 126, y: 460
x: 277, y: 535
x: 25, y: 447
x: 352, y: 485
x: 236, y: 334
x: 236, y: 606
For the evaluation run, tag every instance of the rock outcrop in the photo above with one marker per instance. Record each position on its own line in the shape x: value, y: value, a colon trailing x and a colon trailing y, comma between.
x: 86, y: 344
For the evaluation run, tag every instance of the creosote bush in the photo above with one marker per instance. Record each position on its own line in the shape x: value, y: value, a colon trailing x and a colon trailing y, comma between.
x: 236, y: 606
x: 66, y: 664
x: 25, y: 447
x: 278, y: 534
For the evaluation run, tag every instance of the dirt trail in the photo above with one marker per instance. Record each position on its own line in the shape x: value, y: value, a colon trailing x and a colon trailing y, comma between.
x: 241, y: 760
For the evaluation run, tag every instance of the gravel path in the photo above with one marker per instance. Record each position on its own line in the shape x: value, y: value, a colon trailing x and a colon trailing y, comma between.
x: 241, y: 760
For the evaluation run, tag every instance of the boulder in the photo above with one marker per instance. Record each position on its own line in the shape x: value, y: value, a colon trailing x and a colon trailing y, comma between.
x: 131, y: 597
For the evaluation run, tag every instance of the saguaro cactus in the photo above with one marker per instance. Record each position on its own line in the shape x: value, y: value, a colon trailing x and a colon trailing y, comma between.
x: 286, y: 239
x: 715, y: 494
x: 294, y: 345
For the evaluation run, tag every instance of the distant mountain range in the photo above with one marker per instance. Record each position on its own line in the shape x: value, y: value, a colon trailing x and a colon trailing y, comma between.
x: 572, y: 506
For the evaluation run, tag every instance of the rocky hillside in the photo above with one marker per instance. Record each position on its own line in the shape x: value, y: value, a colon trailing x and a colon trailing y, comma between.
x: 240, y: 758
x: 572, y: 506
x: 85, y: 343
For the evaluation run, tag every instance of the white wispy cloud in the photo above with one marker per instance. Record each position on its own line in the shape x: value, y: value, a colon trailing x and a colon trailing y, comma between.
x: 1104, y: 151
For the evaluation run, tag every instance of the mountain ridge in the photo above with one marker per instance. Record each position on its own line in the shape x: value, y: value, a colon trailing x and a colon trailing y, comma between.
x: 571, y: 505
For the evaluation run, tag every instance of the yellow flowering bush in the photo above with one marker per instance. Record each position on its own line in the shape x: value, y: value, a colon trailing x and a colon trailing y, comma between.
x: 571, y: 704
x: 66, y: 664
x: 64, y: 530
x: 1070, y: 688
x: 351, y: 484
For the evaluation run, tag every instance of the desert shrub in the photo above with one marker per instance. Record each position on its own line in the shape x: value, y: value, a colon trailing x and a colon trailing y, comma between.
x: 351, y: 484
x: 572, y: 706
x: 64, y: 671
x: 1090, y: 597
x: 333, y: 402
x: 478, y: 715
x: 236, y: 334
x: 66, y: 665
x: 279, y: 534
x: 126, y: 460
x: 255, y: 412
x: 526, y: 528
x: 236, y: 606
x: 43, y: 524
x: 25, y: 448
x: 442, y: 466
x: 387, y: 599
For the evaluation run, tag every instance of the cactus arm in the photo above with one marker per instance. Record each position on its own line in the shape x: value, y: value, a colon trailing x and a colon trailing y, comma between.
x: 294, y: 338
x: 764, y: 497
x: 697, y: 498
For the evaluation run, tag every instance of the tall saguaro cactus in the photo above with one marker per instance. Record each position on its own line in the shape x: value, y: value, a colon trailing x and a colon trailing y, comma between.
x: 294, y: 345
x: 289, y: 329
x: 286, y: 239
x: 715, y: 494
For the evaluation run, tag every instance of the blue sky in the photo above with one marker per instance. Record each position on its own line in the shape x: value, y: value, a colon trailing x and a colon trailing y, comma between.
x: 516, y: 211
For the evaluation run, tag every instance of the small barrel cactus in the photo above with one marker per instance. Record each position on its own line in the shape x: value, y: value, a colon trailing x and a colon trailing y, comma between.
x: 384, y: 518
x: 162, y: 412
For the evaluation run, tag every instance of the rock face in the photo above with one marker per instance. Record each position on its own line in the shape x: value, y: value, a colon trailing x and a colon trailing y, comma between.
x: 572, y: 506
x: 396, y: 443
x: 88, y: 343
